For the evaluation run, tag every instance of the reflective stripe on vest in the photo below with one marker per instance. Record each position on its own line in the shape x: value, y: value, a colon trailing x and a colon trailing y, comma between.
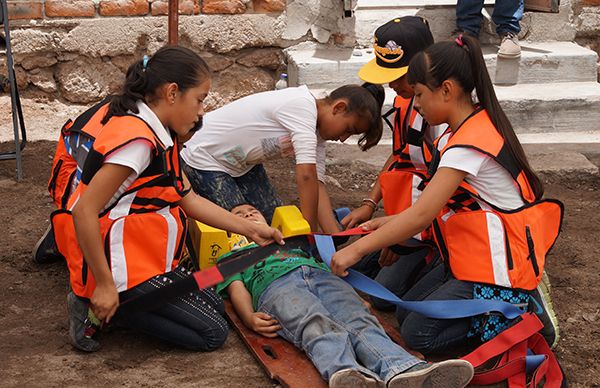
x: 486, y: 244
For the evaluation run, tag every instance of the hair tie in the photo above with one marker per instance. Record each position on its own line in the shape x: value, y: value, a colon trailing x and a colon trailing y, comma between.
x: 145, y: 62
x: 459, y: 41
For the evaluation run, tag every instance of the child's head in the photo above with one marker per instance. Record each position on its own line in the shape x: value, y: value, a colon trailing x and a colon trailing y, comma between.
x: 173, y: 82
x: 445, y: 74
x: 395, y: 43
x: 249, y: 212
x: 352, y: 110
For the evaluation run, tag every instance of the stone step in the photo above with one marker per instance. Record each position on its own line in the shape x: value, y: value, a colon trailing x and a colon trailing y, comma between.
x: 535, y: 26
x: 555, y: 111
x: 540, y: 62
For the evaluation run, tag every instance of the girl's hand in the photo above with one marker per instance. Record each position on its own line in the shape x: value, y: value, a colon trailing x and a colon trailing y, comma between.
x: 356, y: 216
x: 263, y: 234
x: 375, y: 223
x: 264, y: 324
x: 345, y: 258
x: 105, y: 301
x: 387, y: 257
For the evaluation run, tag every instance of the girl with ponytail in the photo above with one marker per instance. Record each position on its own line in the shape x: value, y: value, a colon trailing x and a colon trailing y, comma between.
x: 482, y: 201
x: 123, y: 227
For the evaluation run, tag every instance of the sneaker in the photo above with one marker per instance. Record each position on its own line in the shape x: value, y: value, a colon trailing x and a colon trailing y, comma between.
x: 509, y: 47
x: 45, y: 250
x: 541, y: 305
x: 449, y: 373
x: 81, y: 327
x: 352, y: 378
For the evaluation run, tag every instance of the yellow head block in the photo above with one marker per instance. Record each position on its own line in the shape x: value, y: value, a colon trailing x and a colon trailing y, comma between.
x: 289, y: 221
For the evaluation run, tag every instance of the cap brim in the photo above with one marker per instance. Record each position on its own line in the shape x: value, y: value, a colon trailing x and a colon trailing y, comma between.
x: 375, y: 74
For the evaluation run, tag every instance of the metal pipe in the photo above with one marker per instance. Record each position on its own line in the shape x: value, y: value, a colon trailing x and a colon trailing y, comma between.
x: 173, y: 21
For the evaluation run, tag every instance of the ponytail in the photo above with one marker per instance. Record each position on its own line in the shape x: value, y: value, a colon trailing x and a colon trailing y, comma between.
x: 170, y: 64
x: 462, y: 61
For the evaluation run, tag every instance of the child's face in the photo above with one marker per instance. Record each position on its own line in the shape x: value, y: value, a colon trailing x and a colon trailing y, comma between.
x: 402, y: 87
x: 187, y: 109
x: 338, y: 124
x: 431, y: 104
x: 249, y: 212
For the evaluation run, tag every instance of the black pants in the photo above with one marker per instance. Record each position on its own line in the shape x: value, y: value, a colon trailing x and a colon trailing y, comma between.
x: 193, y: 321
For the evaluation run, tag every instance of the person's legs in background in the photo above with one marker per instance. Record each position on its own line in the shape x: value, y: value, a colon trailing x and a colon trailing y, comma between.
x: 507, y: 16
x: 256, y: 187
x: 216, y: 186
x: 468, y: 16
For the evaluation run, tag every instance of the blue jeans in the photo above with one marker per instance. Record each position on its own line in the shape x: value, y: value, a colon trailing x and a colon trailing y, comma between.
x: 193, y: 321
x: 507, y: 15
x: 431, y: 335
x: 322, y: 315
x: 252, y: 188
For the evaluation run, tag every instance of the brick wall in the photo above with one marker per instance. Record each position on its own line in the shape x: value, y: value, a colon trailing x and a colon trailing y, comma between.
x: 49, y: 9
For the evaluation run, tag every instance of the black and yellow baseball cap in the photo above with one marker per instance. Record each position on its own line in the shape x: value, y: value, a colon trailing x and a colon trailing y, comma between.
x: 396, y: 42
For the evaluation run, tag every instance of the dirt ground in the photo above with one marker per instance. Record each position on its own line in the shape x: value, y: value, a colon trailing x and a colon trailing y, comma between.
x: 33, y: 343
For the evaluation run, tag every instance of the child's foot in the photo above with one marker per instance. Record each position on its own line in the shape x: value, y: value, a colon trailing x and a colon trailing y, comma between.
x: 80, y: 328
x: 352, y: 378
x: 45, y: 250
x: 449, y: 373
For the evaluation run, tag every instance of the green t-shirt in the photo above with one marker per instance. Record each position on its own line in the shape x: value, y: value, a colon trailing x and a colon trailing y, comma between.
x: 259, y: 276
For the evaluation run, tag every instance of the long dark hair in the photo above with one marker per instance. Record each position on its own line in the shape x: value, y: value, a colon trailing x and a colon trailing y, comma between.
x: 169, y: 64
x: 462, y: 61
x: 366, y: 101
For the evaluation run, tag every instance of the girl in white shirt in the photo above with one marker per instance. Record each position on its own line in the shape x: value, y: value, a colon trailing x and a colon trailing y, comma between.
x: 224, y: 159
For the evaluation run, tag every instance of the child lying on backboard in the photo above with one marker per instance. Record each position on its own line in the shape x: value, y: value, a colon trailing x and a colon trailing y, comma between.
x: 293, y: 295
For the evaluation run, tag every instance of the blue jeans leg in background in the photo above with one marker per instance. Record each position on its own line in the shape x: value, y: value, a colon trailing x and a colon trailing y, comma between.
x: 321, y: 314
x: 226, y: 191
x: 507, y: 15
x: 468, y: 16
x: 256, y: 187
x: 431, y: 335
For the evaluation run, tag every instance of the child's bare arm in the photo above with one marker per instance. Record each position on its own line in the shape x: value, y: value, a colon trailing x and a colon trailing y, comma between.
x: 260, y: 322
x: 308, y: 191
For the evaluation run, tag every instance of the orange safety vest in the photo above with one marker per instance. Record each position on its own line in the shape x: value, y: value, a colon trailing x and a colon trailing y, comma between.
x: 71, y: 151
x: 144, y: 229
x: 403, y: 182
x: 482, y: 243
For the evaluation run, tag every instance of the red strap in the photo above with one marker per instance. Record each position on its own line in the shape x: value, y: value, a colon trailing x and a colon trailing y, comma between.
x: 208, y: 277
x: 524, y: 329
x: 512, y: 345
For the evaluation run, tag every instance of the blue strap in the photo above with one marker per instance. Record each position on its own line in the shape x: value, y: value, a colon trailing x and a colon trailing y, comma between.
x: 440, y: 309
x: 533, y: 361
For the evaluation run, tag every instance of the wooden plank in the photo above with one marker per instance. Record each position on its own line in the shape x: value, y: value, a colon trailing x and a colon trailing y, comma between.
x: 542, y: 5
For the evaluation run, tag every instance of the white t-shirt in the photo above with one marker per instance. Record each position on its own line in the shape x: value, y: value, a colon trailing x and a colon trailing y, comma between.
x: 492, y: 181
x: 262, y: 126
x: 137, y: 155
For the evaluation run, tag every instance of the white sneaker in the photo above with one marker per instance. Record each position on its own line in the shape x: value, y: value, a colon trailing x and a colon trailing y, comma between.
x: 346, y: 378
x: 449, y: 373
x: 509, y: 48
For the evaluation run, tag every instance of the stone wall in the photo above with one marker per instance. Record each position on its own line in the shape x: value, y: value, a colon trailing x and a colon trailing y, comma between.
x: 587, y: 24
x: 79, y: 50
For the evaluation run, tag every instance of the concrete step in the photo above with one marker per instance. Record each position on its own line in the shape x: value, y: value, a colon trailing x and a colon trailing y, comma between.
x: 540, y: 62
x: 553, y: 112
x: 535, y: 26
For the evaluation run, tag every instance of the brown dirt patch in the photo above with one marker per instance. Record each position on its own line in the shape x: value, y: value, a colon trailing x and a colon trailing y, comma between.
x: 33, y: 345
